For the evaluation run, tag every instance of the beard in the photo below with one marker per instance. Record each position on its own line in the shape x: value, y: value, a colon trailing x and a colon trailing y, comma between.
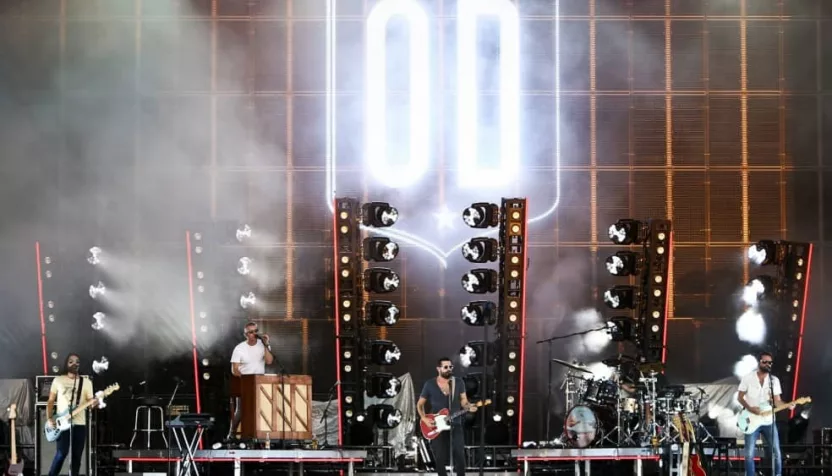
x: 446, y: 374
x: 766, y: 369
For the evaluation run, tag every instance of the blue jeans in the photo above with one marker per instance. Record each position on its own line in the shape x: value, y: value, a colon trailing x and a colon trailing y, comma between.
x: 79, y: 438
x: 772, y: 440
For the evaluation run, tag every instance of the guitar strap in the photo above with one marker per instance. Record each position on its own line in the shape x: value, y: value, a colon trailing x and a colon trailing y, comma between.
x: 77, y: 396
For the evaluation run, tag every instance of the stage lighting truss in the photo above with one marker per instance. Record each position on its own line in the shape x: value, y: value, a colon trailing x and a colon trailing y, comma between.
x: 379, y: 214
x: 622, y: 297
x: 481, y: 250
x: 477, y: 354
x: 380, y: 280
x: 383, y: 385
x: 383, y: 352
x: 657, y: 268
x: 381, y: 313
x: 479, y: 313
x: 622, y: 329
x: 480, y: 281
x: 625, y: 263
x: 628, y: 232
x: 380, y: 248
x: 481, y: 215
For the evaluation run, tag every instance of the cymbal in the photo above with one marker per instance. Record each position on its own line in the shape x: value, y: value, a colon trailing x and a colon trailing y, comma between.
x: 572, y: 366
x: 620, y: 360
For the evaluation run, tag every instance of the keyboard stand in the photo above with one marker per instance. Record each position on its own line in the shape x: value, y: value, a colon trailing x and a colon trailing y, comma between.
x: 186, y: 458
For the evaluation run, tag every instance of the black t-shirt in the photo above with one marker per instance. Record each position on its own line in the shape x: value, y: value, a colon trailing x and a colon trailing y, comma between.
x: 438, y: 400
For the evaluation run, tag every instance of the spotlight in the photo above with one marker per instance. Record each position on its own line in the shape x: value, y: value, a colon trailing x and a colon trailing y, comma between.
x: 97, y: 290
x: 621, y: 329
x: 476, y: 354
x: 99, y: 318
x: 383, y: 385
x: 481, y: 250
x: 384, y: 352
x: 798, y: 425
x: 244, y: 232
x: 248, y: 300
x: 481, y: 215
x: 479, y: 313
x: 380, y: 248
x: 620, y: 297
x: 380, y: 280
x: 627, y: 232
x: 379, y: 214
x: 624, y: 263
x: 763, y: 252
x: 100, y: 366
x: 95, y: 255
x: 758, y: 288
x: 480, y: 281
x: 244, y: 267
x: 385, y: 417
x: 381, y: 313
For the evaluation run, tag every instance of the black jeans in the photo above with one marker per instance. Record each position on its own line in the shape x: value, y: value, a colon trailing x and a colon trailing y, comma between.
x: 78, y: 434
x: 441, y: 447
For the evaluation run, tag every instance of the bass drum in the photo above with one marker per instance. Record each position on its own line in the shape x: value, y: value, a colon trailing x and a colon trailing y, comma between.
x: 585, y: 425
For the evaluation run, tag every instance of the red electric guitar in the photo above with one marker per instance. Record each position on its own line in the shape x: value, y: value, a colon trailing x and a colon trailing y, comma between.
x: 14, y: 468
x: 442, y: 420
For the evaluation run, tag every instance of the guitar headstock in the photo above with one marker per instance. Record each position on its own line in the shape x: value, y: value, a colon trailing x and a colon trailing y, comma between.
x: 803, y: 401
x: 12, y: 411
x: 112, y: 388
x: 484, y: 403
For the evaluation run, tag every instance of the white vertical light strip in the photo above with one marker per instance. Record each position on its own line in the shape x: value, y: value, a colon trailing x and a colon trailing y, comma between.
x: 330, y: 104
x: 377, y: 141
x: 470, y: 172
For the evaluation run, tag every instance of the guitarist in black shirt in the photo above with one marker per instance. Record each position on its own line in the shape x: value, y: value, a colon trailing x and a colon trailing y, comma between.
x: 445, y: 392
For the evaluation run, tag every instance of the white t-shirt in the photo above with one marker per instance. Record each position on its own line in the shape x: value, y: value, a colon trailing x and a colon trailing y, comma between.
x: 757, y: 394
x: 251, y: 358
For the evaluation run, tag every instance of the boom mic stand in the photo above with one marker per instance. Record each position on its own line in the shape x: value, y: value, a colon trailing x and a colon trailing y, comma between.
x: 773, y: 422
x: 324, y: 418
x: 167, y: 410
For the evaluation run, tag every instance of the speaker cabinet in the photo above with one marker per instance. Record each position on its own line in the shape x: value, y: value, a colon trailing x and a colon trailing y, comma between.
x: 45, y: 451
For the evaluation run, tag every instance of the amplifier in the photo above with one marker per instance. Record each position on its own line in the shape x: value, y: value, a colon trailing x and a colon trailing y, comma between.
x: 42, y: 385
x: 45, y: 451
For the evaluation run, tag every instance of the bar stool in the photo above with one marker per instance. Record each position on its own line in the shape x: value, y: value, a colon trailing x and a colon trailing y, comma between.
x: 145, y: 412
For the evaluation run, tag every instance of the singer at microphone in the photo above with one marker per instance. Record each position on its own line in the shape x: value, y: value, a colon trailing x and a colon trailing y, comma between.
x: 250, y: 357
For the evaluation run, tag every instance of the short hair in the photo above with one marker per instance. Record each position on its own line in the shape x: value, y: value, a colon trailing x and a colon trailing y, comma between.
x: 251, y: 323
x: 442, y: 359
x: 764, y: 353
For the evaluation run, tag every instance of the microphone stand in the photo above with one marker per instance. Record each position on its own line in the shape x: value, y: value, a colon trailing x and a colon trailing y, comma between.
x: 71, y: 424
x: 774, y: 433
x: 324, y: 418
x: 167, y: 409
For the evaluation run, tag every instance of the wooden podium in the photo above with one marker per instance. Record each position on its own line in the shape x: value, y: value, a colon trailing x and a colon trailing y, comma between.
x: 263, y: 399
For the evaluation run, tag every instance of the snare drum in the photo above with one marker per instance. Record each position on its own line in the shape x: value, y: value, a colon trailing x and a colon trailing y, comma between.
x: 665, y: 405
x: 629, y: 405
x: 686, y: 404
x: 584, y: 425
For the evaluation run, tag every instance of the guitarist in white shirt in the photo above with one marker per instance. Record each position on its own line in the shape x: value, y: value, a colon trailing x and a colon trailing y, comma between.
x: 755, y: 391
x: 68, y: 391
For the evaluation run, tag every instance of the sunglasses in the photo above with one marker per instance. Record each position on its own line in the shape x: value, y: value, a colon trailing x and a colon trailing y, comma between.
x: 254, y: 331
x: 766, y: 362
x: 447, y: 367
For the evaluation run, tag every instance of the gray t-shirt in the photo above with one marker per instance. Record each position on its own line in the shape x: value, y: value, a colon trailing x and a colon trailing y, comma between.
x: 438, y: 400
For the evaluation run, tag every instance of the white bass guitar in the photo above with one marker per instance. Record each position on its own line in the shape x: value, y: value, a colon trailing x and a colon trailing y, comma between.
x: 747, y: 422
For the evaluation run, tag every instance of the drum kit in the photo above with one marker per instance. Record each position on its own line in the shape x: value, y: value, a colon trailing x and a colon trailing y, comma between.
x: 628, y: 408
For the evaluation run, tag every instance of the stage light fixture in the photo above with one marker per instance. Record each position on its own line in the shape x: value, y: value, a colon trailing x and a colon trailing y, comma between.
x: 95, y: 256
x: 384, y: 352
x: 758, y: 288
x: 381, y: 313
x: 621, y: 297
x: 383, y: 385
x: 384, y: 417
x: 627, y: 232
x: 380, y: 248
x: 248, y: 300
x: 480, y: 281
x: 380, y: 280
x: 97, y: 290
x: 621, y: 329
x: 100, y: 366
x: 624, y: 263
x: 477, y: 354
x: 763, y: 252
x: 243, y: 233
x: 379, y: 214
x: 481, y: 250
x: 481, y: 215
x: 244, y: 266
x: 99, y: 318
x: 479, y: 313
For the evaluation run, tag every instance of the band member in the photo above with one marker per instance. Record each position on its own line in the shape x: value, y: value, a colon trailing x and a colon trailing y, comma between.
x: 761, y: 389
x: 446, y: 391
x: 68, y: 391
x: 250, y: 357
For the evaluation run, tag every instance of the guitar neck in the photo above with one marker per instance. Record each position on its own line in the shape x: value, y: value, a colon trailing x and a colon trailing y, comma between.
x: 80, y: 408
x: 13, y: 459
